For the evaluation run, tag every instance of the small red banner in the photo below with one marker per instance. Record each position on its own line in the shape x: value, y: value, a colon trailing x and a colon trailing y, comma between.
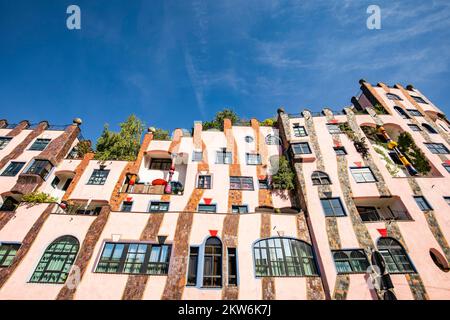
x: 213, y: 233
x: 383, y: 232
x: 207, y: 200
x: 358, y: 164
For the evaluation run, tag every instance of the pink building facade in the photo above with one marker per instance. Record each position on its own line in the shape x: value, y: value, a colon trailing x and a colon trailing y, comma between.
x: 200, y: 217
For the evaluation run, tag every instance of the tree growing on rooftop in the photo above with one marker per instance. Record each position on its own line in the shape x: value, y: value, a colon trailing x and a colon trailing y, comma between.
x: 123, y: 145
x: 283, y: 179
x: 217, y: 122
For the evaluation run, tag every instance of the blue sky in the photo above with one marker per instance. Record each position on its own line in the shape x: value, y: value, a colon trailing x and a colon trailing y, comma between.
x: 173, y: 62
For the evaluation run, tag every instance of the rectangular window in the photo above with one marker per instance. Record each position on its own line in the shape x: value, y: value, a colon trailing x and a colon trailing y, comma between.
x: 332, y: 207
x: 301, y: 148
x: 414, y: 127
x: 446, y: 167
x: 39, y: 144
x: 340, y: 151
x: 333, y: 128
x: 192, y: 268
x: 55, y: 182
x: 299, y: 131
x: 136, y: 258
x: 253, y: 158
x: 7, y: 253
x: 423, y: 203
x: 437, y: 148
x: 160, y: 164
x: 197, y: 156
x: 350, y: 261
x: 447, y: 199
x: 13, y: 169
x: 414, y: 112
x: 40, y: 167
x: 223, y: 157
x: 264, y: 184
x: 419, y: 99
x: 232, y: 267
x: 98, y: 177
x: 241, y: 183
x: 4, y: 142
x: 127, y: 206
x: 362, y: 175
x: 207, y: 208
x: 158, y: 206
x: 204, y: 182
x: 239, y: 209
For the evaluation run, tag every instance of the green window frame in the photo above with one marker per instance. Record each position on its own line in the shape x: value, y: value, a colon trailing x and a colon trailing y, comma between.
x: 7, y: 253
x: 57, y: 260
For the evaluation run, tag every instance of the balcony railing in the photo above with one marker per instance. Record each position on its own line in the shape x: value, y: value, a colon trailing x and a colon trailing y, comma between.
x: 78, y: 210
x: 388, y: 214
x: 141, y: 188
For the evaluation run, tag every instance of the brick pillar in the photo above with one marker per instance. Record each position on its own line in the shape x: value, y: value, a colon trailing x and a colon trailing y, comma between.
x: 24, y: 124
x: 18, y: 150
x: 60, y: 146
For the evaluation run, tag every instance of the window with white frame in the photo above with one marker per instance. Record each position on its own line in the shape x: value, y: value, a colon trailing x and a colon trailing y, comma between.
x: 13, y: 169
x: 159, y: 206
x: 4, y: 142
x: 437, y: 148
x: 362, y: 174
x: 419, y: 99
x: 39, y: 144
x: 332, y: 207
x: 204, y: 181
x: 333, y: 128
x: 414, y: 112
x: 299, y: 131
x: 98, y: 177
x: 272, y: 139
x: 241, y: 183
x: 224, y: 157
x: 197, y: 156
x: 301, y: 148
x: 253, y: 158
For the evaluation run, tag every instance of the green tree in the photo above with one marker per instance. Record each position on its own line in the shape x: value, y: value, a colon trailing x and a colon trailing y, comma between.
x: 83, y: 147
x: 160, y: 134
x: 217, y: 122
x: 284, y: 178
x: 409, y: 148
x: 122, y: 145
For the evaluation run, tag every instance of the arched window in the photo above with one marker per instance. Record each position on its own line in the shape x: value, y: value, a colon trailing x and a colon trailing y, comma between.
x: 320, y: 178
x: 272, y: 139
x: 402, y: 113
x: 392, y: 96
x: 212, y: 271
x: 397, y: 260
x: 350, y: 261
x: 429, y: 128
x: 57, y: 260
x: 283, y: 257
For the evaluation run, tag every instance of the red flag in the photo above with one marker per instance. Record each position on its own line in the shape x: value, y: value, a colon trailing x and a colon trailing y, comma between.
x: 358, y: 164
x: 213, y: 233
x: 207, y: 200
x: 383, y: 232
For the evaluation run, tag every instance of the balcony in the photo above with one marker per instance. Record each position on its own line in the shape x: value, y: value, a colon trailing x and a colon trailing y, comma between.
x: 146, y: 188
x: 381, y: 209
x: 80, y: 208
